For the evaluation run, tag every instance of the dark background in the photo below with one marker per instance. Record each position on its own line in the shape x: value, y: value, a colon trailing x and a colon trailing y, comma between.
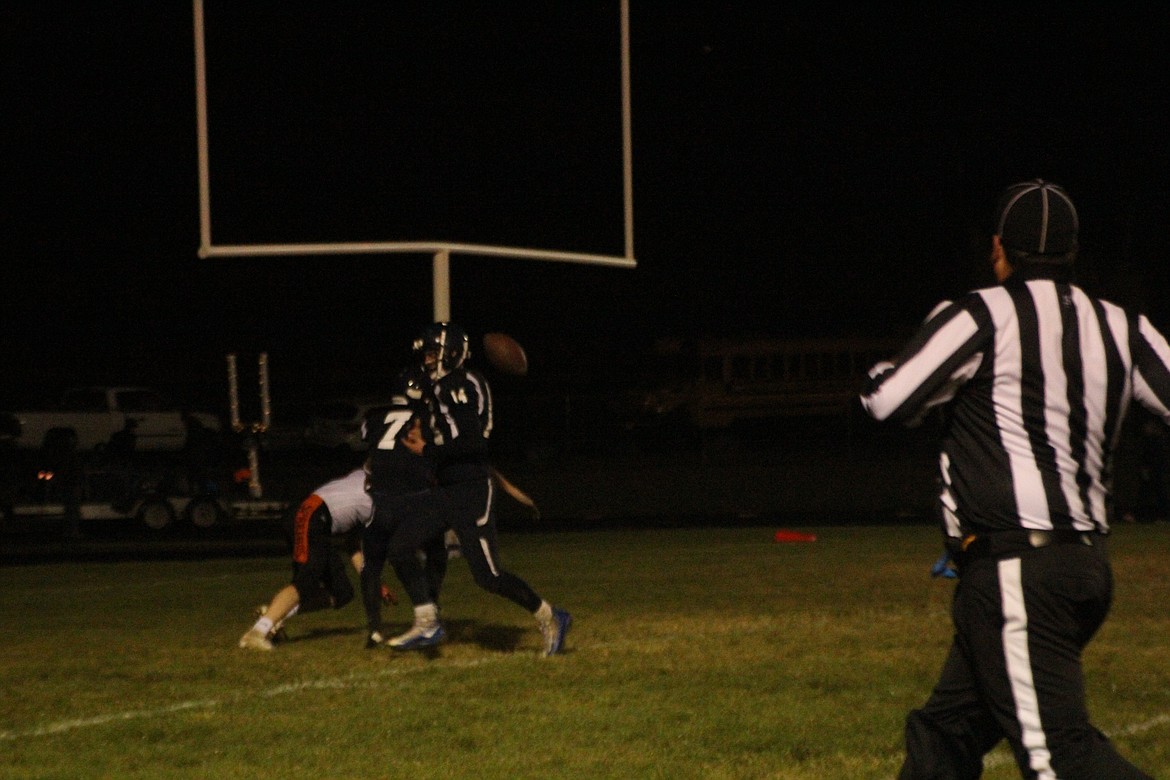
x: 797, y: 171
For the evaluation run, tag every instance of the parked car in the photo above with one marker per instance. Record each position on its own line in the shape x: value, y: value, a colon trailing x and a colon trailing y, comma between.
x: 94, y: 414
x: 337, y: 423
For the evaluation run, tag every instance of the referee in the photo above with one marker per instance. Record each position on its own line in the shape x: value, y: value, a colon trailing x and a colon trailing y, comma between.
x: 1035, y: 377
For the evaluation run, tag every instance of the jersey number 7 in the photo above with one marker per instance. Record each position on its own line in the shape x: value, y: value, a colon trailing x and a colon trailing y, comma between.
x: 395, y: 421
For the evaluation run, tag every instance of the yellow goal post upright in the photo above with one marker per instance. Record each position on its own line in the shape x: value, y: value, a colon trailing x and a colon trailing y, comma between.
x: 440, y: 251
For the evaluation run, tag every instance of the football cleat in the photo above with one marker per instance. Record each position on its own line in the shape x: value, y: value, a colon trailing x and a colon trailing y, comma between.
x: 554, y: 631
x: 944, y: 567
x: 277, y: 634
x: 419, y: 637
x: 254, y: 640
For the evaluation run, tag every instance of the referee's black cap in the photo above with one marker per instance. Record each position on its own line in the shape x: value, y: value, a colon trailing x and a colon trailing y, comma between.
x: 1037, y: 217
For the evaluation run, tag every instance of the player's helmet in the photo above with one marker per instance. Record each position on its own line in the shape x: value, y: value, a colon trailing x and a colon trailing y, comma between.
x: 411, y: 383
x: 441, y: 349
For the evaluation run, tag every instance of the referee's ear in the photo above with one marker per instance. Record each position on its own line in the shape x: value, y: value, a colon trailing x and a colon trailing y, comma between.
x: 1000, y: 265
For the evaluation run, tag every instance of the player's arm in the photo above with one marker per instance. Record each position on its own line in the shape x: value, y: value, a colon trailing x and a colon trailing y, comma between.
x: 464, y: 402
x: 370, y: 582
x: 352, y: 544
x: 1151, y: 362
x: 413, y: 439
x: 374, y: 550
x: 939, y: 357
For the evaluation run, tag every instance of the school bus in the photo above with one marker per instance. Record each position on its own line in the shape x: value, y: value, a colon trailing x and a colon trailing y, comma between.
x: 719, y: 382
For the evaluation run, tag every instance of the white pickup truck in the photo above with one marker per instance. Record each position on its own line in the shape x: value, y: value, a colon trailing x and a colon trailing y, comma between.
x: 94, y: 414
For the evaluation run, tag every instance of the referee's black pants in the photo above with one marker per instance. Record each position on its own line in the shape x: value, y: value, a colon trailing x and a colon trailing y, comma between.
x: 1014, y: 671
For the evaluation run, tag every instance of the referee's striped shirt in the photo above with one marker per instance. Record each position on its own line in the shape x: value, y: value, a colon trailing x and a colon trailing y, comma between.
x: 1038, y: 376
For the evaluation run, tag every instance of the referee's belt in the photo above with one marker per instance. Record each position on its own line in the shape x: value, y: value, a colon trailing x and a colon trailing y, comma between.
x: 1002, y: 544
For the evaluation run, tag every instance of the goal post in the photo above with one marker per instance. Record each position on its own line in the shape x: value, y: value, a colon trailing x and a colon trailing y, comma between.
x: 440, y: 251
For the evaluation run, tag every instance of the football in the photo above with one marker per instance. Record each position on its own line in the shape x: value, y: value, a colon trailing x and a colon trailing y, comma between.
x: 505, y: 354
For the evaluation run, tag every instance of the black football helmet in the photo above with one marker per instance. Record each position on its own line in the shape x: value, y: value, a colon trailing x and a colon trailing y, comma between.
x: 442, y: 348
x: 412, y: 383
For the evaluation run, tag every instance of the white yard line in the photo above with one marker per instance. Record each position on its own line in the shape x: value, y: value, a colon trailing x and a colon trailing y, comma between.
x: 1141, y: 728
x: 349, y: 681
x: 357, y: 680
x: 1003, y: 757
x: 100, y: 720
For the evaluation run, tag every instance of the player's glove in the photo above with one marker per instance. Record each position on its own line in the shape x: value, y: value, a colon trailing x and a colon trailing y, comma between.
x: 388, y: 597
x: 374, y: 639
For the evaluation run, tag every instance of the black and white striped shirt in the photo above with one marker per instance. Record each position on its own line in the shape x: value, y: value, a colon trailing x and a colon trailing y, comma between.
x: 1037, y: 376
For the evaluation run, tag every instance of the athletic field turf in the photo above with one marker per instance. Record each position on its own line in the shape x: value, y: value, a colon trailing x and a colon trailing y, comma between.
x: 696, y: 653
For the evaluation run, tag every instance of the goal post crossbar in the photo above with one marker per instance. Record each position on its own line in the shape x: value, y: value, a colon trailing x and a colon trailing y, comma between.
x: 413, y: 247
x: 441, y: 251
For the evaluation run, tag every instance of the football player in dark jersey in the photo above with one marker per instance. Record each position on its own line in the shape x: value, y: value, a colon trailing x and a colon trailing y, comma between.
x: 396, y: 476
x: 459, y: 418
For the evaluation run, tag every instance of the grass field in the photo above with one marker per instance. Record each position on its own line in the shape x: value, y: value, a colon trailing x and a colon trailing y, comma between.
x: 696, y: 653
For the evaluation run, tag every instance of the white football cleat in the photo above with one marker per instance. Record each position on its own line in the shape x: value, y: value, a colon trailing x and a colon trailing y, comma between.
x: 277, y: 634
x: 419, y: 637
x: 554, y: 630
x: 254, y: 640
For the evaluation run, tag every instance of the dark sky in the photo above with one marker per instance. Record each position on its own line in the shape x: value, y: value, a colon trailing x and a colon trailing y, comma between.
x: 796, y: 171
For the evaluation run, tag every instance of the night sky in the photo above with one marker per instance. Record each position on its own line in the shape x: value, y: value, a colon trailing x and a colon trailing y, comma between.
x: 796, y: 171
